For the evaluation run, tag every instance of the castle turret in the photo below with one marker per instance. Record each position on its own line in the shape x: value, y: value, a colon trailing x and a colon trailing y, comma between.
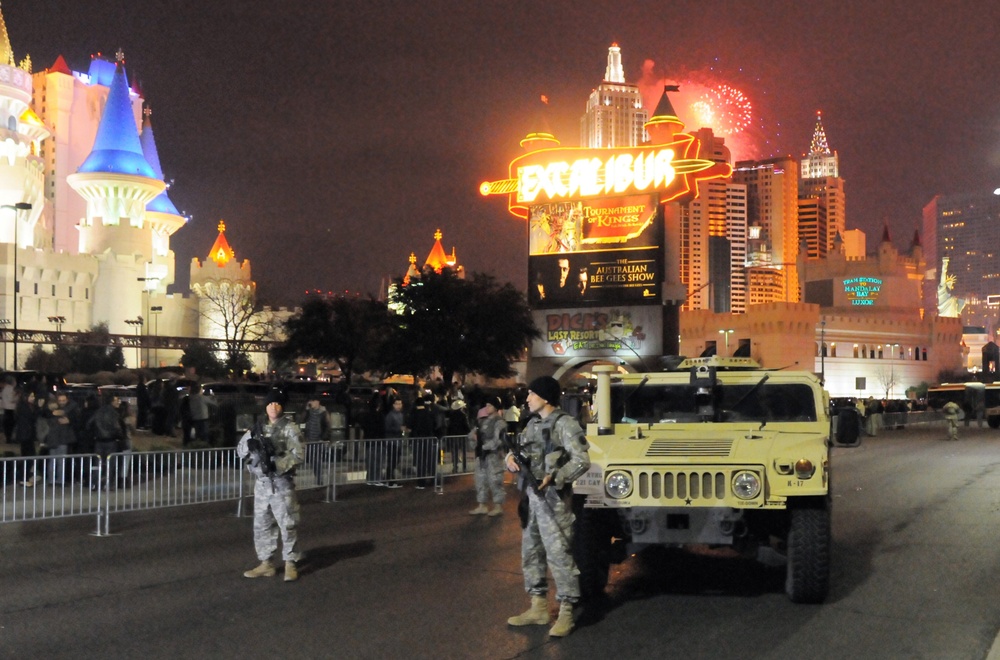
x: 163, y: 217
x: 224, y: 288
x: 118, y: 182
x: 664, y: 123
x: 21, y: 133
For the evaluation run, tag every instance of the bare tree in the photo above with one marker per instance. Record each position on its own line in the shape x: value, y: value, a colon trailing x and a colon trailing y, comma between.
x: 886, y: 377
x: 229, y: 312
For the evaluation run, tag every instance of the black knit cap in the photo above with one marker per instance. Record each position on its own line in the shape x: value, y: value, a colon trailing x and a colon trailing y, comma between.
x: 547, y: 388
x: 275, y: 396
x: 494, y: 401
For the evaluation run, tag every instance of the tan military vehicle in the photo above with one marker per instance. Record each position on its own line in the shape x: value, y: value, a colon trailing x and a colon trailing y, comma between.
x: 713, y: 453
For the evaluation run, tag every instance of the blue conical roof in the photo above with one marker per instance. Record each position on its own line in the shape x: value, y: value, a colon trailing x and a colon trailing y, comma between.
x: 161, y: 203
x: 116, y: 148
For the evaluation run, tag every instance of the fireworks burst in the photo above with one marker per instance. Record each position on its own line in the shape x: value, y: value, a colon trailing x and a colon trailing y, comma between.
x: 709, y: 99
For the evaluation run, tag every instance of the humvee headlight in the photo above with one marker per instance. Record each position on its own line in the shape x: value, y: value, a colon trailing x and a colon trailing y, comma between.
x: 804, y: 468
x: 618, y: 484
x: 746, y: 485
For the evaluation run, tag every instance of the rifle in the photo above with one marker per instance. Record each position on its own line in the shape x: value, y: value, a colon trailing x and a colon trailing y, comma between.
x: 261, y: 451
x: 524, y: 469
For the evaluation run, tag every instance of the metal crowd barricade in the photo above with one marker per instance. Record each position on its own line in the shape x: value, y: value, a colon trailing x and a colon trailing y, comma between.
x: 58, y: 486
x: 39, y: 488
x: 379, y: 461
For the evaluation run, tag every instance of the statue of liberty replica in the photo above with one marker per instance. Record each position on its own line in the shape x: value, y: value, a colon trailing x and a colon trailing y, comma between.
x: 948, y: 304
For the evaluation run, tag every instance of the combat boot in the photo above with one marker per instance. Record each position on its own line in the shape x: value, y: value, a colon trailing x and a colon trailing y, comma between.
x: 266, y: 569
x: 536, y: 615
x: 480, y: 510
x: 291, y: 572
x: 497, y: 511
x: 564, y: 624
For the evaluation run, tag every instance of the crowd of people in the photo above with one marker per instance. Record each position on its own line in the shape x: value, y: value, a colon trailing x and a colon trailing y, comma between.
x: 45, y: 421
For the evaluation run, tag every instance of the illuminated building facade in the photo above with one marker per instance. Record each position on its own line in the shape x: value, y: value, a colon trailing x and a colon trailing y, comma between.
x: 86, y: 221
x: 861, y: 326
x: 713, y: 238
x: 821, y: 195
x: 604, y: 229
x: 963, y: 228
x: 615, y: 116
x: 772, y: 228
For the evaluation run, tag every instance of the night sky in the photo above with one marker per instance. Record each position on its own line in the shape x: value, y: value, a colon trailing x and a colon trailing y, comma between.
x: 334, y: 138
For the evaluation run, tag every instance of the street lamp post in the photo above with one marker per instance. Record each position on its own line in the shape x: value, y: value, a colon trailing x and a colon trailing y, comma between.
x: 20, y: 206
x: 4, y: 323
x: 147, y: 282
x: 137, y: 324
x: 822, y: 352
x: 155, y: 311
x: 726, y: 333
x: 892, y: 368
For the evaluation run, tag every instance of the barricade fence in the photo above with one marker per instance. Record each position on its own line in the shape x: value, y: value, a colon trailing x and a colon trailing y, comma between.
x: 63, y: 485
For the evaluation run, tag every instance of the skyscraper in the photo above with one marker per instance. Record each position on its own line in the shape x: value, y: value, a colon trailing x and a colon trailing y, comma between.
x: 713, y: 238
x: 821, y: 192
x: 963, y: 228
x: 614, y: 116
x: 772, y: 228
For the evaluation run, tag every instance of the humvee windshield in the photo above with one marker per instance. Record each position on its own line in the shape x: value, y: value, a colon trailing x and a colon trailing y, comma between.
x: 682, y: 402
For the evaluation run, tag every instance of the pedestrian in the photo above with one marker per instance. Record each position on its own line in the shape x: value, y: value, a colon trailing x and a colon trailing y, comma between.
x: 512, y: 414
x: 199, y: 414
x: 557, y: 453
x: 374, y: 427
x: 142, y: 404
x: 423, y: 433
x: 8, y: 401
x: 171, y: 407
x: 108, y: 430
x: 489, y: 440
x: 951, y: 412
x: 272, y: 450
x: 395, y: 428
x: 315, y: 421
x: 26, y: 434
x: 63, y: 420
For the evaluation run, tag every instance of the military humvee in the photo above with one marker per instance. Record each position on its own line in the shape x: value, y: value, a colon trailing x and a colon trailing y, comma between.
x: 716, y: 452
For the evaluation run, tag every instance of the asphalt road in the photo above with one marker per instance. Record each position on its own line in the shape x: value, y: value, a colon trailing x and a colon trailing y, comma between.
x: 408, y: 574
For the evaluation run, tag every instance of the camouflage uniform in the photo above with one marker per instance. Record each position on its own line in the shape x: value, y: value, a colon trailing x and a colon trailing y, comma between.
x: 488, y: 437
x: 545, y: 540
x: 274, y: 503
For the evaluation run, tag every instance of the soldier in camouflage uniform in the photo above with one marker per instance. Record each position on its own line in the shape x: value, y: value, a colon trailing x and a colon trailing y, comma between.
x: 556, y: 450
x: 274, y: 503
x: 488, y: 437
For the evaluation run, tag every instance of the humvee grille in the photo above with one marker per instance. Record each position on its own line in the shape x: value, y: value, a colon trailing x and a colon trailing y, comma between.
x: 682, y: 486
x: 689, y: 447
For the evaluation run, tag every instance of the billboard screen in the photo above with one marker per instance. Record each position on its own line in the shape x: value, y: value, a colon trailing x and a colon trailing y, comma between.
x: 598, y: 332
x: 601, y: 251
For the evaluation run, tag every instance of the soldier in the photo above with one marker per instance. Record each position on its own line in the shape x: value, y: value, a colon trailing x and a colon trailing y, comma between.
x: 951, y: 411
x: 555, y: 452
x: 272, y: 451
x: 488, y: 437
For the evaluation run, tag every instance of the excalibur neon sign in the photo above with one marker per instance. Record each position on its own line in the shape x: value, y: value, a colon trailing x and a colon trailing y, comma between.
x: 582, y: 173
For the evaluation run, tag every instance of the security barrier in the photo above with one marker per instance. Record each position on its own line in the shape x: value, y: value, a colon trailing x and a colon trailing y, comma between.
x: 59, y: 486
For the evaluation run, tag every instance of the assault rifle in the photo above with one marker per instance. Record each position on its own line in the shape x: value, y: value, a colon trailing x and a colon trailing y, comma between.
x: 262, y: 451
x: 523, y: 463
x: 524, y: 469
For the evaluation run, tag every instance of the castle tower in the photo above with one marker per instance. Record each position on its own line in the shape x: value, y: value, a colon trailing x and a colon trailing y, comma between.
x: 163, y: 217
x: 22, y: 172
x: 117, y: 182
x: 225, y: 290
